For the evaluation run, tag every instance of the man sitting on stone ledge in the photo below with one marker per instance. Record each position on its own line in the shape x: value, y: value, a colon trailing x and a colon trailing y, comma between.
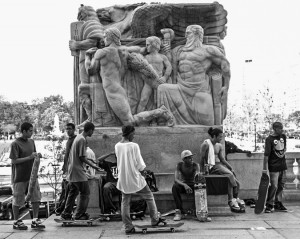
x: 184, y: 180
x: 110, y: 186
x: 211, y: 150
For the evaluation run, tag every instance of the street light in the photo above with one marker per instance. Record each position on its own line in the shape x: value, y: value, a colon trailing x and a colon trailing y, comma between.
x: 244, y: 92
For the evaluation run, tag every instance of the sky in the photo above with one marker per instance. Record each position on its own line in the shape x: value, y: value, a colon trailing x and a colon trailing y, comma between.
x: 37, y: 62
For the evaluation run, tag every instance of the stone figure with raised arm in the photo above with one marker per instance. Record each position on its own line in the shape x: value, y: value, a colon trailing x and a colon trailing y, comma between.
x: 190, y: 100
x: 160, y: 64
x: 89, y: 34
x: 114, y: 61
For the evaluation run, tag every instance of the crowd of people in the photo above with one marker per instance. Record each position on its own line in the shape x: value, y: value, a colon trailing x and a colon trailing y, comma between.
x: 130, y: 180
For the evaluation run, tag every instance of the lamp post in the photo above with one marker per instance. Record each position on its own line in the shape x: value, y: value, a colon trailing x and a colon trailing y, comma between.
x: 244, y: 91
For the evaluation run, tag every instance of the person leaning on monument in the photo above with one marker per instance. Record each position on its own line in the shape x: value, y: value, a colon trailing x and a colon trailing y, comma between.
x: 76, y: 176
x: 130, y: 179
x: 193, y: 89
x: 212, y: 157
x: 22, y: 155
x: 275, y: 164
x: 113, y: 65
x: 184, y: 180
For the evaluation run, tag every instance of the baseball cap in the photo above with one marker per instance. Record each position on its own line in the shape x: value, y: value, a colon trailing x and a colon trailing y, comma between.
x: 186, y: 153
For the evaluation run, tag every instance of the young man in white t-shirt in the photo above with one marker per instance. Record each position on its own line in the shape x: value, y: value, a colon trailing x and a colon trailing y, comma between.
x: 130, y: 179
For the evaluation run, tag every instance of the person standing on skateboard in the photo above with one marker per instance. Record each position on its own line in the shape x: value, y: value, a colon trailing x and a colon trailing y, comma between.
x: 22, y: 155
x: 76, y: 176
x: 184, y: 180
x: 130, y: 179
x: 211, y: 153
x: 275, y: 163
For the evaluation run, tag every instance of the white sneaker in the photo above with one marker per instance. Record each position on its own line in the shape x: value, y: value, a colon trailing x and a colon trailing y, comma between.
x: 177, y: 215
x: 240, y: 201
x: 233, y: 204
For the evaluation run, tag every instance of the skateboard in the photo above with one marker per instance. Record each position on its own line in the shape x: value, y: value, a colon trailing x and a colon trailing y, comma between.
x: 201, y: 199
x: 133, y: 216
x: 33, y: 177
x: 170, y: 226
x: 262, y: 193
x: 72, y: 222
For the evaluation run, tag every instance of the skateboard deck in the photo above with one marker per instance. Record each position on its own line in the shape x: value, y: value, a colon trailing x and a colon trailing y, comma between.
x: 201, y: 199
x: 33, y: 177
x: 262, y: 193
x: 133, y: 216
x: 169, y: 226
x: 79, y: 222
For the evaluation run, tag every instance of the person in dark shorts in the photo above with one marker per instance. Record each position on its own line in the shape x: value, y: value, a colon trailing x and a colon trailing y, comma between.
x: 184, y: 180
x: 22, y: 155
x: 275, y: 164
x: 110, y: 186
x: 77, y: 177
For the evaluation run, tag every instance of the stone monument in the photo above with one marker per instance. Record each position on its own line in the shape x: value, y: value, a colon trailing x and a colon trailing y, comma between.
x: 160, y: 67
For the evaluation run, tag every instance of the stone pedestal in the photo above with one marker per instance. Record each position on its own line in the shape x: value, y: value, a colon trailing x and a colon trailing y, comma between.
x: 94, y: 204
x: 160, y: 146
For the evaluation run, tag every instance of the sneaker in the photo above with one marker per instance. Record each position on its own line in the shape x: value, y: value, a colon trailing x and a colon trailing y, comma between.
x: 66, y: 216
x: 161, y: 221
x: 240, y: 202
x: 19, y: 225
x: 279, y: 207
x: 234, y: 206
x: 131, y: 231
x: 177, y: 215
x: 37, y: 223
x: 269, y: 208
x: 84, y: 216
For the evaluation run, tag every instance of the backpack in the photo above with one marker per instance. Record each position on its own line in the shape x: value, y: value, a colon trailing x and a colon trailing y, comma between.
x: 151, y: 180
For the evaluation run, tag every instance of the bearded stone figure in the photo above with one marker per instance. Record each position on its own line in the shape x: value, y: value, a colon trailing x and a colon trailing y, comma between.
x: 193, y: 99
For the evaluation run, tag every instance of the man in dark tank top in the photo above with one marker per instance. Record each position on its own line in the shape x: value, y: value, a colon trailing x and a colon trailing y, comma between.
x: 184, y: 180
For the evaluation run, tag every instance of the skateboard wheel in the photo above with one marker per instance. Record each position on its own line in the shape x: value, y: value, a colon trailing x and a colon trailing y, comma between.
x: 133, y: 217
x: 107, y: 219
x: 144, y: 231
x: 172, y: 230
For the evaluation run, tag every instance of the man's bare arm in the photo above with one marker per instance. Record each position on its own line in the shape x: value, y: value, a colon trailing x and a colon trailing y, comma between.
x: 223, y: 161
x: 168, y: 67
x: 88, y: 162
x: 219, y: 59
x: 82, y: 45
x: 25, y: 159
x: 203, y: 159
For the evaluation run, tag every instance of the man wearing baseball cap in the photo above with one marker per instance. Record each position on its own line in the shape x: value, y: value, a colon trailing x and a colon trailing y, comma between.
x: 184, y: 180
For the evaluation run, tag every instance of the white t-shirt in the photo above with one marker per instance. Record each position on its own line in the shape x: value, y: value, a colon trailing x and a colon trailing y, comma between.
x: 130, y: 163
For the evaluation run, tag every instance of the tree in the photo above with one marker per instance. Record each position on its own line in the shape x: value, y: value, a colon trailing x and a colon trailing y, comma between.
x: 295, y: 117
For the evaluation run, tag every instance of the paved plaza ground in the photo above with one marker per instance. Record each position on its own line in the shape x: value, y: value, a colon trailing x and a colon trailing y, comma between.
x: 248, y: 225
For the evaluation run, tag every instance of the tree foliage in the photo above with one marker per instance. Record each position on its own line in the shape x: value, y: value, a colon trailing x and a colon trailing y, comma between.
x: 40, y: 113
